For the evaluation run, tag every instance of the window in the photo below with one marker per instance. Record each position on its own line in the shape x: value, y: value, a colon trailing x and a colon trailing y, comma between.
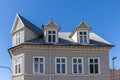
x: 94, y: 65
x: 77, y: 65
x: 83, y: 37
x: 18, y: 38
x: 61, y: 66
x: 52, y: 36
x: 17, y: 65
x: 39, y: 65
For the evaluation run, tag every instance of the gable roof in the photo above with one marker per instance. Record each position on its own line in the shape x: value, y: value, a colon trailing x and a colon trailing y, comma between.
x: 51, y: 24
x: 83, y: 24
x: 27, y: 24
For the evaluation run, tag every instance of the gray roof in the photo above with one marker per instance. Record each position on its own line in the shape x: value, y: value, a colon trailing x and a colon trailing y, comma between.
x: 30, y: 26
x: 64, y: 39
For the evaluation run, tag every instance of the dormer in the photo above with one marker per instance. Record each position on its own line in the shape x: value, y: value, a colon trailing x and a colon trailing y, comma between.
x: 51, y: 32
x: 81, y: 33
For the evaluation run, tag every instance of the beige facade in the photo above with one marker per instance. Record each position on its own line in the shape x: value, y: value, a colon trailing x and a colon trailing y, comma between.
x: 24, y: 53
x: 27, y: 52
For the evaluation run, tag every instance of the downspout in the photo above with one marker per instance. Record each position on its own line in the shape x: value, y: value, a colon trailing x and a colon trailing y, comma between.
x: 50, y: 52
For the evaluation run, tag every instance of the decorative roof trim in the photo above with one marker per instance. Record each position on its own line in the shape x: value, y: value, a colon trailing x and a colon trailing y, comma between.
x: 56, y: 47
x: 51, y: 22
x: 15, y: 23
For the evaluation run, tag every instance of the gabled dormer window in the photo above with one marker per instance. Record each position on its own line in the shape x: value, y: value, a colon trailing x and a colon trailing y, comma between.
x: 52, y: 36
x: 81, y: 33
x: 83, y: 37
x: 51, y: 32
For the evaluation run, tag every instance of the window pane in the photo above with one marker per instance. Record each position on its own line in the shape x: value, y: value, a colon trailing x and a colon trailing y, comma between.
x: 36, y: 67
x: 16, y: 69
x: 79, y: 68
x: 58, y: 68
x: 18, y: 61
x: 49, y: 38
x: 79, y: 60
x: 41, y: 59
x: 54, y: 32
x: 35, y: 59
x: 54, y: 38
x: 41, y: 68
x: 19, y: 68
x: 91, y: 60
x: 80, y: 33
x: 91, y: 68
x: 75, y: 68
x: 85, y: 33
x: 63, y: 60
x: 85, y: 39
x: 96, y: 68
x: 19, y: 39
x: 96, y: 60
x: 81, y: 39
x: 63, y: 68
x: 49, y: 32
x: 74, y: 60
x: 58, y: 60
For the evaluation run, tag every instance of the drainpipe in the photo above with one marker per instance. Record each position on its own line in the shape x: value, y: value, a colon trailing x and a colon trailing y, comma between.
x: 50, y: 52
x: 113, y: 68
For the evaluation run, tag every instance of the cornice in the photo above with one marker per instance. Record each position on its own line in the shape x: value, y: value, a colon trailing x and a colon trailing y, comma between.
x: 57, y: 47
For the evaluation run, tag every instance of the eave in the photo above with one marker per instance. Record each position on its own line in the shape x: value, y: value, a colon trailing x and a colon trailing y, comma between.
x: 57, y: 47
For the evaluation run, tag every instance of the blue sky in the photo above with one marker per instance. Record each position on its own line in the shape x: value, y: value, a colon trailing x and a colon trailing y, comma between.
x: 102, y: 15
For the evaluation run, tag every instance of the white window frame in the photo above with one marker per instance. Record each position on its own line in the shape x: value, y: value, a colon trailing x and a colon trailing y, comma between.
x: 82, y: 63
x: 60, y: 65
x: 83, y: 37
x: 18, y: 38
x: 39, y: 65
x: 52, y: 35
x: 94, y: 63
x: 19, y: 62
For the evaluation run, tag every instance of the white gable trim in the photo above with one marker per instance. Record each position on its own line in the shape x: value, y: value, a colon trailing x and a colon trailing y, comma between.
x: 15, y: 23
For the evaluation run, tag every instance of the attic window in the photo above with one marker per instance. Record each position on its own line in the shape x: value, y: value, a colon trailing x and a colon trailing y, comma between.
x: 83, y: 37
x: 18, y: 37
x: 52, y: 36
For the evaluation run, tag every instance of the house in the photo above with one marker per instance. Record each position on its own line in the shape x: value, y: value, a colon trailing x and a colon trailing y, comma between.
x: 46, y: 53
